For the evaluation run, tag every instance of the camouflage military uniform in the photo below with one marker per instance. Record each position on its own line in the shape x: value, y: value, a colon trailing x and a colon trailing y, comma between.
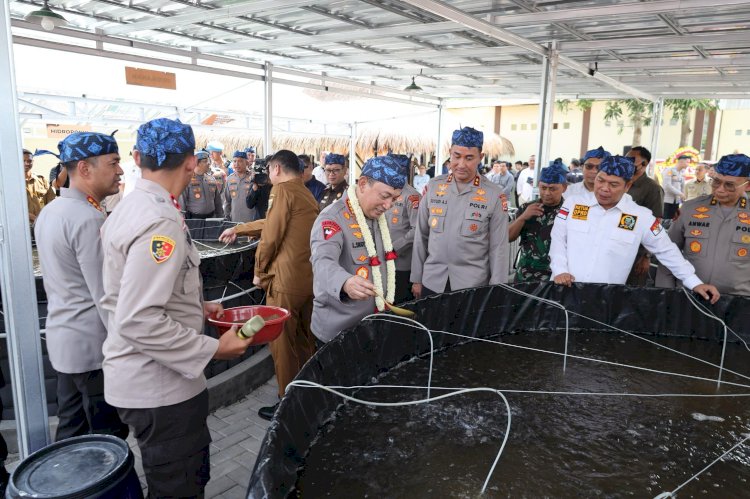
x: 536, y: 237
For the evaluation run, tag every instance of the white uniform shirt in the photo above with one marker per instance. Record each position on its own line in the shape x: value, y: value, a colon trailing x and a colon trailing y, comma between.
x: 578, y: 189
x: 525, y: 185
x: 598, y: 245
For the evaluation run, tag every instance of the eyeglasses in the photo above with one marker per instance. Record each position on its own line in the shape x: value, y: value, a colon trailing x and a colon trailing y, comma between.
x: 333, y: 171
x: 728, y: 186
x: 590, y: 166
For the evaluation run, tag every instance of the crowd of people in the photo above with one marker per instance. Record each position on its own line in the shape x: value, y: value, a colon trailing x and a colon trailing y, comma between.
x: 126, y: 310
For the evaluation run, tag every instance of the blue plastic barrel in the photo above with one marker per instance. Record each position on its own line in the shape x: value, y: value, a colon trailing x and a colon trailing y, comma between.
x: 85, y: 467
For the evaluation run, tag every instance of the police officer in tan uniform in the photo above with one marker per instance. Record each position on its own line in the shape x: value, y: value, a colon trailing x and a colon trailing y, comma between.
x: 239, y: 185
x: 352, y: 252
x: 70, y: 253
x: 713, y: 231
x: 462, y: 233
x: 402, y: 220
x: 155, y: 352
x: 202, y: 196
x: 336, y: 170
x: 38, y: 191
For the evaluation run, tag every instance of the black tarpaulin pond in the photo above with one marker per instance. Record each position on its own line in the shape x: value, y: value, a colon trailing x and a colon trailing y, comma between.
x: 562, y: 442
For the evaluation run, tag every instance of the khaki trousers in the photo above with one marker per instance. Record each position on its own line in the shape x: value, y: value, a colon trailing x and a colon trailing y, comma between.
x: 296, y: 344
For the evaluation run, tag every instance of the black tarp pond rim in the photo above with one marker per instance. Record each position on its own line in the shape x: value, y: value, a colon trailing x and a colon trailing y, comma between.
x: 371, y: 348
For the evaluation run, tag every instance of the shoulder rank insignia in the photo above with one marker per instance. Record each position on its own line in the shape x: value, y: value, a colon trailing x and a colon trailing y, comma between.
x: 162, y: 248
x: 627, y: 222
x: 330, y: 228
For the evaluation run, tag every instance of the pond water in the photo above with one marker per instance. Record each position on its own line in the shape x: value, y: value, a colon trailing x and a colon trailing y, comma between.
x: 559, y: 445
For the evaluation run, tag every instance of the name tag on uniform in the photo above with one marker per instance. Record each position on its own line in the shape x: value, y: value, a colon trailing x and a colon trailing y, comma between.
x: 580, y: 212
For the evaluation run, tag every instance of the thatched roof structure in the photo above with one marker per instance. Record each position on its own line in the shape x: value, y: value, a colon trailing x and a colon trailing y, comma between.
x: 402, y: 136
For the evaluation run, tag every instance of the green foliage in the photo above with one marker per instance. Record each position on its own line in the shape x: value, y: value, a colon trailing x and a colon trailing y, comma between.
x: 563, y: 105
x: 613, y: 112
x: 681, y: 108
x: 585, y: 104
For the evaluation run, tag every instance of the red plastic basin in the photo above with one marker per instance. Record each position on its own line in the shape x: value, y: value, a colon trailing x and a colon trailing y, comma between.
x: 275, y: 318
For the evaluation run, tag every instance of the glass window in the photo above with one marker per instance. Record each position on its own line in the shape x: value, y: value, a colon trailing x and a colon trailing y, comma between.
x: 566, y: 126
x: 514, y: 127
x: 523, y: 126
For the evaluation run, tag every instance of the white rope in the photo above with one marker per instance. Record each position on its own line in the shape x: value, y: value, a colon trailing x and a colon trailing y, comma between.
x: 565, y: 393
x: 705, y: 311
x: 460, y: 390
x: 310, y: 384
x: 418, y: 325
x: 638, y: 337
x: 665, y: 495
x: 554, y: 304
x: 602, y: 361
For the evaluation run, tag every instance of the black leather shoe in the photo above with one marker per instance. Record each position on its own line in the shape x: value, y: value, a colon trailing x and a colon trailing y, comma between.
x: 268, y: 411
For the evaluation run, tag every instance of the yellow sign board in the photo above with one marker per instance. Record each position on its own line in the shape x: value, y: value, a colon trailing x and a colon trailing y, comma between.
x: 150, y: 78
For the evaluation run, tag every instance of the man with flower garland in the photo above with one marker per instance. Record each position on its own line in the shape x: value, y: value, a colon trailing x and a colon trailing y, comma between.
x: 462, y: 231
x: 352, y: 252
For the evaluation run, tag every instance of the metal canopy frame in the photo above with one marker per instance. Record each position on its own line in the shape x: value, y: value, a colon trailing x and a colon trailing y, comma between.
x: 464, y: 48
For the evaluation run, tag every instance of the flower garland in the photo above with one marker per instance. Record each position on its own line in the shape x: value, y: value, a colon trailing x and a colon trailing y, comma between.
x: 390, y: 255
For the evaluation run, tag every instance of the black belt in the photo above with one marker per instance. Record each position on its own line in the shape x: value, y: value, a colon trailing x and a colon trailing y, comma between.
x: 198, y: 216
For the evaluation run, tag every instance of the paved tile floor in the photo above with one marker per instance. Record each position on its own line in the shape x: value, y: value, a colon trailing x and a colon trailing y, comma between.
x: 237, y: 432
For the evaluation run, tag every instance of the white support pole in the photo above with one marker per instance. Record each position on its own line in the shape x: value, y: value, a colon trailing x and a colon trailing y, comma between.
x: 268, y: 109
x: 17, y: 278
x: 353, y: 155
x: 546, y: 110
x: 438, y: 143
x: 658, y: 114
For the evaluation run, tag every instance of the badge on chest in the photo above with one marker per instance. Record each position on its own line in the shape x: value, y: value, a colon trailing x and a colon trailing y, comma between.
x: 627, y: 222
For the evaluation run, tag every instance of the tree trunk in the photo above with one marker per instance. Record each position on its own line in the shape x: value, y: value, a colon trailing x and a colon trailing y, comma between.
x: 685, y: 131
x: 637, y: 131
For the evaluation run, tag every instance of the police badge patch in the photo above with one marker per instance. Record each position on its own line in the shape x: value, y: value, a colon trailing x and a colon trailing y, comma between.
x: 330, y: 228
x: 627, y: 222
x: 162, y: 248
